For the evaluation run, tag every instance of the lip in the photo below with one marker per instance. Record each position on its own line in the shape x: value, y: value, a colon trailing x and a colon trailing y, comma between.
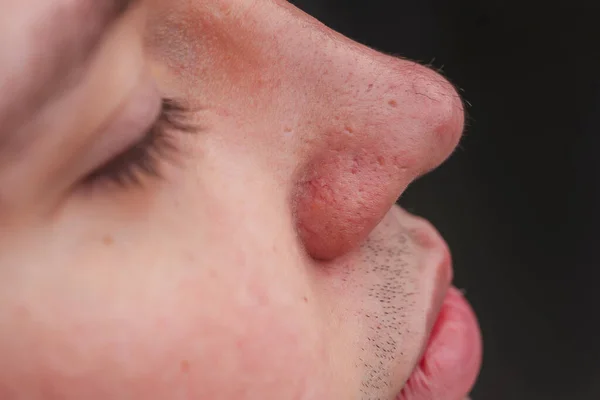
x: 452, y: 357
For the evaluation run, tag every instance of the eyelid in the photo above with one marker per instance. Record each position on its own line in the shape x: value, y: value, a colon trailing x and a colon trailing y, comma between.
x: 146, y: 157
x: 128, y: 126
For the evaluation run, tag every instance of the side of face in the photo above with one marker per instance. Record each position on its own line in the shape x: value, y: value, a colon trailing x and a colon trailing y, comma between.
x: 264, y: 262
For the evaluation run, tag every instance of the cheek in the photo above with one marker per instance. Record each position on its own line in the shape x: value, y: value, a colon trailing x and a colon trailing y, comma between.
x: 184, y: 332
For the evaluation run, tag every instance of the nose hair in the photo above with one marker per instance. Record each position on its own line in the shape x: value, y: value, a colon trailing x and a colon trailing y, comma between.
x: 386, y: 123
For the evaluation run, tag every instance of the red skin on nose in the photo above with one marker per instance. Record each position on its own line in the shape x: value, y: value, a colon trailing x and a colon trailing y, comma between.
x: 341, y: 197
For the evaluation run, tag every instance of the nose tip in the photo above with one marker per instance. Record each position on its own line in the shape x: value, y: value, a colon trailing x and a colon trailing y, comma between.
x: 435, y: 108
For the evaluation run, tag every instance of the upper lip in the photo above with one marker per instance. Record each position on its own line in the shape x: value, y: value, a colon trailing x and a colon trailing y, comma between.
x: 438, y: 267
x: 443, y: 281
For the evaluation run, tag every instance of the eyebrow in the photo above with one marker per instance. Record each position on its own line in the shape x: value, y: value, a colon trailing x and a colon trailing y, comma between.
x: 57, y: 48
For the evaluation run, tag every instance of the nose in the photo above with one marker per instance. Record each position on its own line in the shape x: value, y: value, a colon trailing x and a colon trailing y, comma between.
x: 377, y: 123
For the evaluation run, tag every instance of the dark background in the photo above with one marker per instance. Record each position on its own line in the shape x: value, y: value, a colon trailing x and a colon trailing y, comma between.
x: 517, y: 201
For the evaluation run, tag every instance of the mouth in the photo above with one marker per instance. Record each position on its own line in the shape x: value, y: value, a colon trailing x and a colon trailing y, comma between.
x: 451, y: 355
x: 451, y: 358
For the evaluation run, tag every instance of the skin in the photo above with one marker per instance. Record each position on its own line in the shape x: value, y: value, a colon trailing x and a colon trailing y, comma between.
x: 268, y: 261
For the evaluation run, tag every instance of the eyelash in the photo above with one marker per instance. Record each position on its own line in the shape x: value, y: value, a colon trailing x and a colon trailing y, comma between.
x: 144, y: 157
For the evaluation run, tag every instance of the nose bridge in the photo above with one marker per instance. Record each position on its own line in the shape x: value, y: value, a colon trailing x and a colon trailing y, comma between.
x: 378, y: 94
x: 393, y: 99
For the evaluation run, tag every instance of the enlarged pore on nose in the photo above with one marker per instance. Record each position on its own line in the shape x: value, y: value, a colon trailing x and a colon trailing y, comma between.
x: 401, y: 129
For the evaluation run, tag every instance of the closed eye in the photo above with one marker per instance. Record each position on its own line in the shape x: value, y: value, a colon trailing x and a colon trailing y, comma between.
x: 144, y: 158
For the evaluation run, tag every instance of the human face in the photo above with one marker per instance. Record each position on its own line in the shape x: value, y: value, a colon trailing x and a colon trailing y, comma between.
x: 267, y: 260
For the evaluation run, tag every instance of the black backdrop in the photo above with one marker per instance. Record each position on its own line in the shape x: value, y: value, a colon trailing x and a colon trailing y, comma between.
x: 517, y: 201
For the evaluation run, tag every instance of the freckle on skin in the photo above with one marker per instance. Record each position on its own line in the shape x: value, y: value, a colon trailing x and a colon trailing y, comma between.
x: 108, y: 240
x: 393, y: 103
x: 23, y: 313
x: 185, y: 366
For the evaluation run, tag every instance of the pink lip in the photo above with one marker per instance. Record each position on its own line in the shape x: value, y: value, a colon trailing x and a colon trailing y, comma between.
x: 452, y: 358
